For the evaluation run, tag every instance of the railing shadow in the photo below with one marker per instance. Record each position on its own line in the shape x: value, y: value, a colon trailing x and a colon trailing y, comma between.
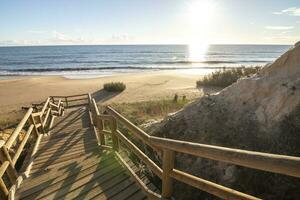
x: 102, y: 96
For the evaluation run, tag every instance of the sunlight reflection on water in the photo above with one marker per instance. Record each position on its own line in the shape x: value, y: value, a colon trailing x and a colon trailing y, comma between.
x: 197, y: 52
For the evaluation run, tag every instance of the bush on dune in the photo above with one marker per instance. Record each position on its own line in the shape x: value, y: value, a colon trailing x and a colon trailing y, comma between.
x: 114, y: 87
x: 226, y: 77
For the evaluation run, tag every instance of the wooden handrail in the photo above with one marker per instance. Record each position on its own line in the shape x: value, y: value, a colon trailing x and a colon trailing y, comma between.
x: 45, y: 106
x: 288, y: 165
x: 8, y: 162
x: 68, y: 99
x: 17, y: 130
x: 282, y: 164
x: 210, y: 187
x: 70, y: 96
x: 21, y: 147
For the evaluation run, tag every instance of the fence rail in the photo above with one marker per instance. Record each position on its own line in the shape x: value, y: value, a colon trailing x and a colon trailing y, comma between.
x: 282, y: 164
x: 32, y: 126
x: 72, y: 100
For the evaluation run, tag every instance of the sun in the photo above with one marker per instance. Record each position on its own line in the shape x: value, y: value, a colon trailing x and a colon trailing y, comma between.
x: 201, y: 12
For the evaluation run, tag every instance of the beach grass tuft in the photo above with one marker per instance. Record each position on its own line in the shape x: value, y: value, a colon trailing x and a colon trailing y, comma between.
x: 226, y: 77
x: 114, y: 86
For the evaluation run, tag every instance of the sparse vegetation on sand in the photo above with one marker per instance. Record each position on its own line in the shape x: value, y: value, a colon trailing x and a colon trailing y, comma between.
x: 140, y: 112
x: 226, y: 77
x: 114, y: 86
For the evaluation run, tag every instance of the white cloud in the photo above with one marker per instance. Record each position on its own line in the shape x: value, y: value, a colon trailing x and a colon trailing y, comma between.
x: 279, y: 27
x: 293, y: 11
x: 60, y: 38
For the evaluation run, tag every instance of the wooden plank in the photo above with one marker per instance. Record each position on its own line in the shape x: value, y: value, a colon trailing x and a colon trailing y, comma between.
x: 64, y: 187
x: 81, y: 99
x: 98, y: 187
x: 3, y: 187
x: 115, y: 139
x: 168, y: 165
x: 282, y: 164
x: 3, y: 167
x: 17, y: 130
x: 210, y: 187
x: 62, y: 173
x: 61, y: 154
x: 157, y: 170
x: 70, y: 96
x: 32, y: 154
x: 136, y: 131
x: 11, y: 171
x: 45, y: 106
x: 46, y: 117
x: 150, y: 193
x: 21, y: 147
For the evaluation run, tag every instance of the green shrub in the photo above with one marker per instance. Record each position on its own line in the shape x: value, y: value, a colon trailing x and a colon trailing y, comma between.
x: 114, y: 87
x: 226, y: 77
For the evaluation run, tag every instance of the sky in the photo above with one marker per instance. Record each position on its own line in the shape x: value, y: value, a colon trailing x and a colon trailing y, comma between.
x: 76, y: 22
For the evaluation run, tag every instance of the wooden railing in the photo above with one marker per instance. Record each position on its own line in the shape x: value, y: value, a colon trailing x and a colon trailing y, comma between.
x: 287, y: 165
x: 72, y: 100
x: 36, y: 124
x: 106, y: 125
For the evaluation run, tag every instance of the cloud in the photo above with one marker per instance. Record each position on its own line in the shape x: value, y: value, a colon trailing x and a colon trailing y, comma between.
x: 60, y: 36
x: 279, y: 27
x: 293, y: 11
x: 55, y: 37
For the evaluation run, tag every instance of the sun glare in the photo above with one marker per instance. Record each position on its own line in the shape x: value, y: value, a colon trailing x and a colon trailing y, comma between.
x: 201, y: 12
x: 200, y: 17
x: 197, y: 52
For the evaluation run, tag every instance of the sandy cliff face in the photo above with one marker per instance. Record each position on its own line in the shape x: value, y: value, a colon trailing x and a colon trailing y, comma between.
x: 250, y: 114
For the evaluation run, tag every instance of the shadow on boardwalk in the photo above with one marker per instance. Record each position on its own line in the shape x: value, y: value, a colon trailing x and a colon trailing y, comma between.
x: 69, y: 164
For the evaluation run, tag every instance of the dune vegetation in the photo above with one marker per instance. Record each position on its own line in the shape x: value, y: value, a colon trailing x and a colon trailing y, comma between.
x: 226, y: 77
x: 114, y: 86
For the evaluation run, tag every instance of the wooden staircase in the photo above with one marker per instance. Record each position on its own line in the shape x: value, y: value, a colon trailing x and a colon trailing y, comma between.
x: 69, y: 150
x: 70, y: 165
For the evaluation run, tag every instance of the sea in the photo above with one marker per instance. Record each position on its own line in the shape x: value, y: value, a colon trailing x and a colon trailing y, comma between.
x: 88, y: 61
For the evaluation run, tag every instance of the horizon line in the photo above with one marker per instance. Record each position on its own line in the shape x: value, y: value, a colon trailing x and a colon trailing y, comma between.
x: 174, y: 44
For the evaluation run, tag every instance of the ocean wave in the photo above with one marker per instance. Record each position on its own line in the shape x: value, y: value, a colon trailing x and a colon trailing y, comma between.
x: 68, y: 69
x: 128, y: 62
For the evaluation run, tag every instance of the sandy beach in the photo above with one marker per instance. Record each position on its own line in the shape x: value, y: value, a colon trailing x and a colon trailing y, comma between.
x: 22, y: 91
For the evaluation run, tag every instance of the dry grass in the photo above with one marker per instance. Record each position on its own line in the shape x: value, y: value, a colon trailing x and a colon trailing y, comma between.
x: 226, y: 77
x: 140, y: 112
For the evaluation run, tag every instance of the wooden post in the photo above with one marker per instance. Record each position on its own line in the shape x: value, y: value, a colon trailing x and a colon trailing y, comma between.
x: 11, y: 171
x: 31, y: 121
x: 42, y: 126
x: 114, y: 128
x: 66, y: 100
x: 100, y: 126
x: 3, y: 188
x: 167, y: 165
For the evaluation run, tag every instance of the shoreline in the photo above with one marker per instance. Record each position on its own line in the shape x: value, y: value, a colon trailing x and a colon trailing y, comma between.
x: 24, y: 90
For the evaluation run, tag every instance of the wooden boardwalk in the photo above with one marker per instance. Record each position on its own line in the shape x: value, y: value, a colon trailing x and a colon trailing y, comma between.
x: 81, y: 153
x: 69, y: 164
